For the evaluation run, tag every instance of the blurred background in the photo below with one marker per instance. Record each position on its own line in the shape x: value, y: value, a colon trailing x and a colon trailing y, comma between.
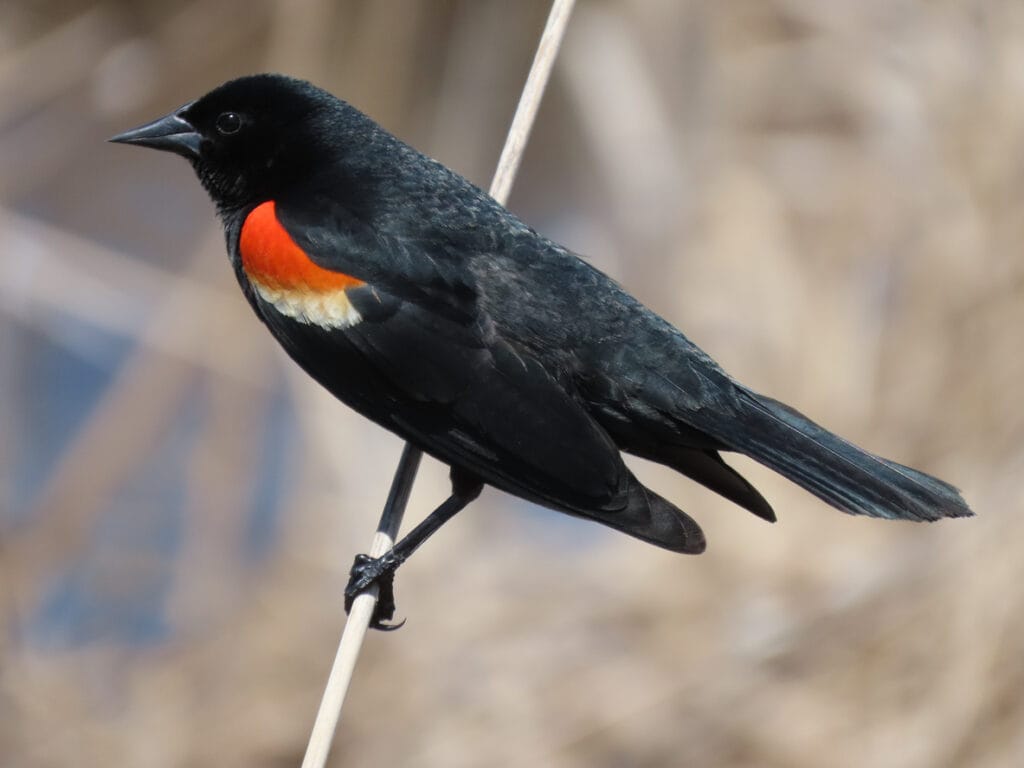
x: 826, y: 196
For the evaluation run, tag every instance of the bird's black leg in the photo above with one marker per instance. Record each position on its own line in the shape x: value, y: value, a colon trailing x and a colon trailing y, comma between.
x: 367, y: 570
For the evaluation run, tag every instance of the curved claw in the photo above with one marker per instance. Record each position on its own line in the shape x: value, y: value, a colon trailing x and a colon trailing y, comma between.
x: 374, y: 624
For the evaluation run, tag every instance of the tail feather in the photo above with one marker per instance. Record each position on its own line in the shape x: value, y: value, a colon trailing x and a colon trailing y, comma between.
x: 835, y: 470
x: 651, y: 518
x: 711, y: 471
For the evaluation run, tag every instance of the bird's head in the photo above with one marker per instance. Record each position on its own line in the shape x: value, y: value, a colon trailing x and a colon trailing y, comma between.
x: 251, y: 138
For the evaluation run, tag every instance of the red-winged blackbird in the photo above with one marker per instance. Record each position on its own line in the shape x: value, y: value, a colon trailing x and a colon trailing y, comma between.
x: 421, y: 302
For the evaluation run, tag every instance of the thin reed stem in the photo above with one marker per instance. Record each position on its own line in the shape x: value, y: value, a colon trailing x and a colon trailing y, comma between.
x: 351, y: 642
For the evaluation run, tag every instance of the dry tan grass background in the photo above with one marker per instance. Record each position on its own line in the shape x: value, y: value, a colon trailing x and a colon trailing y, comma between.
x: 827, y: 196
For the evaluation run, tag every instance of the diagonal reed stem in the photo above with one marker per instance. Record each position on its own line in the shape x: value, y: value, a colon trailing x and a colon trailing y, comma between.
x: 387, y: 531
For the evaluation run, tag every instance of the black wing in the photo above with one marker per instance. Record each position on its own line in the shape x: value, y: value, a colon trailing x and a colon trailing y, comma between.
x: 485, y: 405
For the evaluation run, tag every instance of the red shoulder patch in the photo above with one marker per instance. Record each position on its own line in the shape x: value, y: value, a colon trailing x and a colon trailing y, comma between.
x: 273, y: 260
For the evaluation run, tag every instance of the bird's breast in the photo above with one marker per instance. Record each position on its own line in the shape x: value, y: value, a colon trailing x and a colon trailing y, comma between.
x: 283, y: 275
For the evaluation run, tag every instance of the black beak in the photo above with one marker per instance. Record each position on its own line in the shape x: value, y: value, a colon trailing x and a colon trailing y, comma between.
x: 171, y: 133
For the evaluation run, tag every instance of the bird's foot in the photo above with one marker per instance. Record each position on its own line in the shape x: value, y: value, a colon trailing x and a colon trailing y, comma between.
x: 380, y: 571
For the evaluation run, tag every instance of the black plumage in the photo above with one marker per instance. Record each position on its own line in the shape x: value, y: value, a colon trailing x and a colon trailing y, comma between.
x: 491, y: 347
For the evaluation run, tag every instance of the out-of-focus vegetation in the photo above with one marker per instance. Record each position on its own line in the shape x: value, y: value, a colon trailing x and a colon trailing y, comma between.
x: 827, y: 196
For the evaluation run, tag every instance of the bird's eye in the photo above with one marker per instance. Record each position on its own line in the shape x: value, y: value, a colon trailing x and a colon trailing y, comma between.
x: 228, y: 123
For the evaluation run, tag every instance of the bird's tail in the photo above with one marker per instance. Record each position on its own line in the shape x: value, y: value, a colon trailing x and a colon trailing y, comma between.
x: 835, y: 470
